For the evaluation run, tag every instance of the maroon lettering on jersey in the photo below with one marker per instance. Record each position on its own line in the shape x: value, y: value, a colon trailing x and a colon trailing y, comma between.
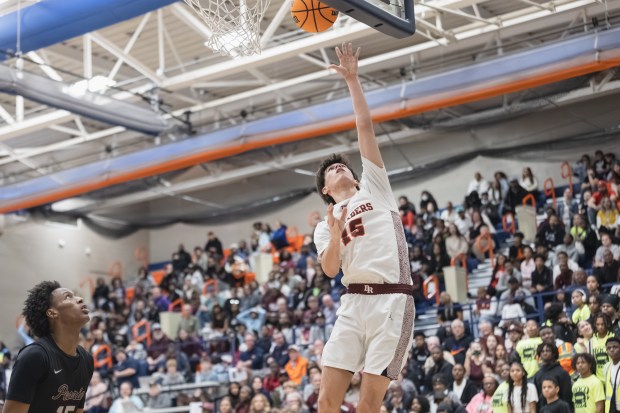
x: 362, y: 208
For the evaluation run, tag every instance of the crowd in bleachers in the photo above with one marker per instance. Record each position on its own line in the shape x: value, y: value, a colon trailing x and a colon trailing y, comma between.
x: 243, y: 346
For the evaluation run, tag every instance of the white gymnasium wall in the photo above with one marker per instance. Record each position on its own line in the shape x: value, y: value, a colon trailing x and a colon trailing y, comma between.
x: 31, y: 252
x: 449, y: 186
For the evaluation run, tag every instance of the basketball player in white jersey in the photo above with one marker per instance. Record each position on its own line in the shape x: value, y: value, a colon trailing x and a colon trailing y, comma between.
x: 364, y: 236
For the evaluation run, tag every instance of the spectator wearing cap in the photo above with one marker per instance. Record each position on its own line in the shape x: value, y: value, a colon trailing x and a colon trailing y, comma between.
x: 156, y: 352
x: 581, y: 311
x: 514, y: 332
x: 526, y: 349
x: 461, y: 386
x: 462, y: 221
x: 515, y: 290
x: 441, y: 387
x: 548, y: 354
x: 126, y: 369
x: 565, y: 348
x: 612, y: 375
x: 156, y: 399
x: 609, y: 307
x: 297, y: 365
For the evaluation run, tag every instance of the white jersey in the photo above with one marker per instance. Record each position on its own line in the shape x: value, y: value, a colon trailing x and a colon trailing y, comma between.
x: 373, y: 248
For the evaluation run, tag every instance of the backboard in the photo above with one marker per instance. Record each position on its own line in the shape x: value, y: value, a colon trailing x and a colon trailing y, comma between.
x: 392, y: 17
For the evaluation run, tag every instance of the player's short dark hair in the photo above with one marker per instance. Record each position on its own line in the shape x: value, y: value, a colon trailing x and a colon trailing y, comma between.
x: 552, y: 380
x: 39, y: 300
x: 588, y: 358
x: 320, y: 174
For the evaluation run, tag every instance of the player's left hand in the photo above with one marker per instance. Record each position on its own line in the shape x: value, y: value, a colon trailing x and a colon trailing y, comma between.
x: 348, y: 60
x: 336, y: 226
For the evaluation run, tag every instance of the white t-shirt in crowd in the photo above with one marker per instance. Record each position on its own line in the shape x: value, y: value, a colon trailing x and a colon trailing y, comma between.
x: 532, y: 396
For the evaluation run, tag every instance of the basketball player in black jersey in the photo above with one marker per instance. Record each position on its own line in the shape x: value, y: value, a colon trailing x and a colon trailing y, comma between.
x: 52, y: 374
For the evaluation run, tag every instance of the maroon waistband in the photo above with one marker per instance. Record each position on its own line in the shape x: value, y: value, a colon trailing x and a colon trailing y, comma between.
x: 374, y: 289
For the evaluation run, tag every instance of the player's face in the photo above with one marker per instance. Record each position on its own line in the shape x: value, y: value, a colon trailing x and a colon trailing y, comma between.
x: 338, y: 174
x: 69, y: 308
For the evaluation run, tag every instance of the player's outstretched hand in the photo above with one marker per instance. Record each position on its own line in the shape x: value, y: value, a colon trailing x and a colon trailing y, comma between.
x: 335, y: 225
x: 348, y: 60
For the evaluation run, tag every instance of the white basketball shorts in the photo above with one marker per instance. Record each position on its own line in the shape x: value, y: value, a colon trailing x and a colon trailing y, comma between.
x: 373, y: 333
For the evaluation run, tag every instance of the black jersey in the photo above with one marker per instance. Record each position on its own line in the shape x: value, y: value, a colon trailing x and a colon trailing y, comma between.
x: 49, y: 380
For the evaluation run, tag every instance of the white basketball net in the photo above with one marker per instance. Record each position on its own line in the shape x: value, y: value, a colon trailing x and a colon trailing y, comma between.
x: 235, y: 25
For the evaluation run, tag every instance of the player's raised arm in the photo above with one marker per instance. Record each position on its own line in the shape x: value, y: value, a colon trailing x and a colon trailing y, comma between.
x: 369, y: 148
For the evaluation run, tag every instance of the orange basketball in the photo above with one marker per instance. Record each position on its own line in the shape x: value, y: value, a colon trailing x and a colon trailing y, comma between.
x: 312, y: 15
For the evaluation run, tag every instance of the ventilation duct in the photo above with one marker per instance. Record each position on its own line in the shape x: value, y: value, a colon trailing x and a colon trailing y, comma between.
x: 52, y: 21
x: 76, y: 98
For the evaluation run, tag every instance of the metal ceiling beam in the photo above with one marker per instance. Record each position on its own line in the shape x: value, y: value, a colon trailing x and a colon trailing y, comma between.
x: 471, y: 30
x: 268, y: 56
x: 131, y: 61
x: 132, y: 41
x: 267, y: 35
x: 45, y: 68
